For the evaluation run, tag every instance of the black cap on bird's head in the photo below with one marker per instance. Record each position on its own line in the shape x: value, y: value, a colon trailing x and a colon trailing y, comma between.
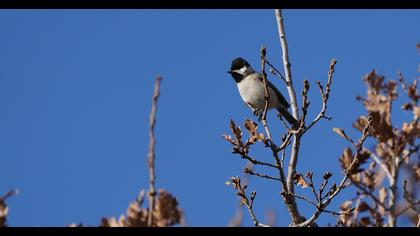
x: 238, y: 63
x: 239, y: 69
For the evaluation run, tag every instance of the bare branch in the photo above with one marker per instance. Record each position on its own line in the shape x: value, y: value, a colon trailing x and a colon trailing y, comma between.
x: 301, y: 197
x: 151, y: 154
x: 251, y: 172
x: 293, y: 210
x: 248, y: 202
x: 257, y: 162
x: 276, y: 72
x: 267, y: 94
x: 325, y: 96
x: 9, y: 194
x: 348, y: 173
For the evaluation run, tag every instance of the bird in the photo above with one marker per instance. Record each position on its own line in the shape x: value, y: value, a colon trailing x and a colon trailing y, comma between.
x: 252, y: 90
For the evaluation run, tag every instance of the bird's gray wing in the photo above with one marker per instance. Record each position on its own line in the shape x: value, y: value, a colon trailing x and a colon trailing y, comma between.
x: 280, y: 96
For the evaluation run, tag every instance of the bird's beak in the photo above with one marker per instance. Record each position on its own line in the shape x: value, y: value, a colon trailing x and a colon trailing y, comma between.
x: 230, y: 72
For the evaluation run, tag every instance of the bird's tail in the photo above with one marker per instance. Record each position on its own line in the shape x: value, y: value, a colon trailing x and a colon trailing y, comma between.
x: 286, y: 114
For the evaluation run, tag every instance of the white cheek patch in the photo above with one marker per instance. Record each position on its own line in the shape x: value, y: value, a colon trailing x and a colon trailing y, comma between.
x: 241, y: 71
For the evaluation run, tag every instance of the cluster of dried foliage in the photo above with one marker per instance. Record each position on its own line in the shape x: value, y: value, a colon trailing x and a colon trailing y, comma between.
x: 388, y: 175
x: 385, y: 177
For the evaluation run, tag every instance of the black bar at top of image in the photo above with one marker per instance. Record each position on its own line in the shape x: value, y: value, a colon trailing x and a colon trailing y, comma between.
x: 186, y: 4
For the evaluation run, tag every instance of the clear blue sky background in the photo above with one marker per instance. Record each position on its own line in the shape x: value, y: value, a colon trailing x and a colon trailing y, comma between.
x: 75, y: 96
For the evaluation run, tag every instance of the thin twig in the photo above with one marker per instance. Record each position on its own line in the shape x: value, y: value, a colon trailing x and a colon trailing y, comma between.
x: 251, y: 172
x: 302, y: 197
x: 151, y: 154
x: 9, y: 194
x: 325, y: 96
x: 236, y: 182
x: 312, y: 186
x: 266, y: 95
x: 276, y: 72
x: 257, y: 162
x: 286, y: 141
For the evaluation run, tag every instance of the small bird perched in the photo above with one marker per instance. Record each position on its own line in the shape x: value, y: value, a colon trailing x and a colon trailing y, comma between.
x: 252, y: 90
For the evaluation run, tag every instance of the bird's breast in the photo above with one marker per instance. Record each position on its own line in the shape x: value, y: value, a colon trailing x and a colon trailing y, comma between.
x: 252, y: 92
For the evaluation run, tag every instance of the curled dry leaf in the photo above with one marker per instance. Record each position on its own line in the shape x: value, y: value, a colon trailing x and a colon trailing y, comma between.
x: 345, y: 206
x: 365, y: 221
x: 411, y: 131
x: 252, y: 128
x: 167, y: 211
x: 382, y: 197
x: 383, y: 152
x: 416, y: 112
x: 363, y: 206
x: 237, y: 132
x: 342, y: 134
x: 346, y: 158
x: 412, y: 91
x: 346, y: 219
x: 298, y: 179
x: 378, y: 104
x: 4, y: 210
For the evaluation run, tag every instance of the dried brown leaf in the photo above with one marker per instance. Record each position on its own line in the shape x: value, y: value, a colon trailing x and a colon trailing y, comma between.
x: 416, y: 112
x: 412, y: 91
x: 383, y: 151
x: 363, y: 206
x: 346, y: 158
x: 4, y: 210
x: 110, y: 222
x: 345, y: 206
x: 342, y: 134
x: 382, y: 194
x: 378, y: 104
x: 369, y: 180
x: 237, y: 132
x: 365, y: 221
x: 167, y: 211
x: 229, y: 139
x: 298, y: 179
x: 411, y: 131
x: 252, y: 128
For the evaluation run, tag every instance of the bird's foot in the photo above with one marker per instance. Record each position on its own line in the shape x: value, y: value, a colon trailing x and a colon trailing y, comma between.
x: 258, y: 113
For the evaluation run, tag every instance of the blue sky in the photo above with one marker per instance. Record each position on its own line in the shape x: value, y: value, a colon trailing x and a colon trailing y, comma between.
x: 75, y: 96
